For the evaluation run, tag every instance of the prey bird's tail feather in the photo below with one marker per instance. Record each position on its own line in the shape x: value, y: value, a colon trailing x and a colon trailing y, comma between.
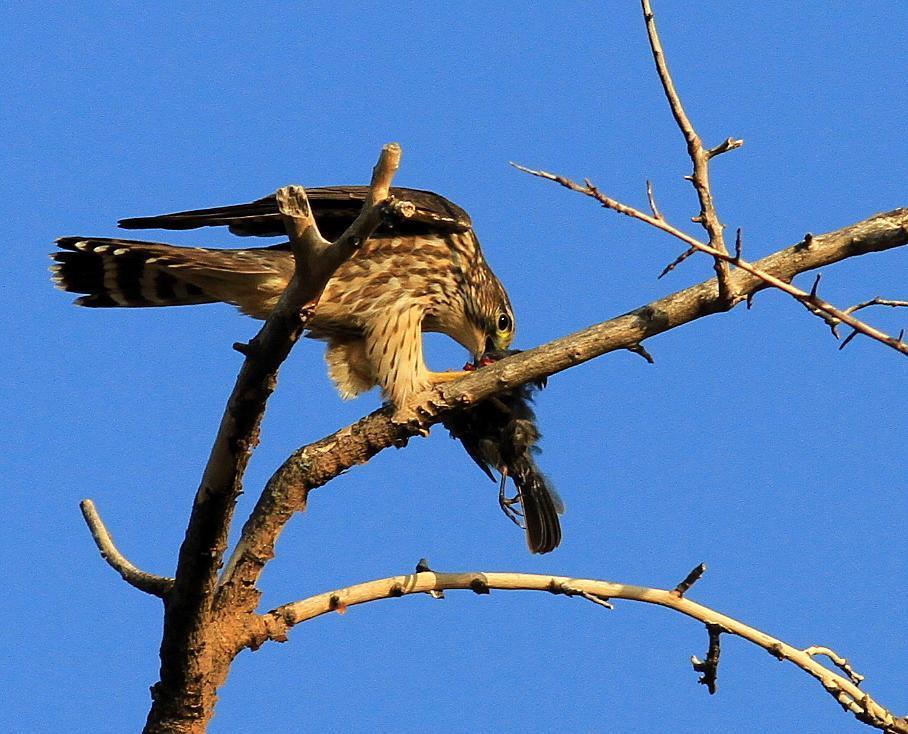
x: 540, y: 503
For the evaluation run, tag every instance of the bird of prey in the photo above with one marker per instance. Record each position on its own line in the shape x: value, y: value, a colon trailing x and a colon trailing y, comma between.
x: 500, y: 433
x: 423, y: 273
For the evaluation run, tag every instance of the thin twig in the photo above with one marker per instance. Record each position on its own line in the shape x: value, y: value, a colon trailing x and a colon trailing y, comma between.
x: 597, y: 600
x: 572, y: 591
x: 877, y: 302
x: 837, y: 660
x: 676, y: 262
x: 866, y: 304
x: 700, y: 157
x: 641, y: 350
x: 810, y: 300
x: 148, y: 582
x: 834, y: 321
x: 275, y: 624
x: 725, y: 146
x: 851, y: 336
x: 689, y: 580
x: 709, y: 668
x: 652, y: 201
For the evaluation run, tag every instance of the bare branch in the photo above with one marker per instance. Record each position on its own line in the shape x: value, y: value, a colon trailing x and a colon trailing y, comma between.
x: 877, y: 302
x: 573, y: 591
x: 811, y: 300
x: 275, y: 624
x: 143, y: 581
x: 699, y: 156
x: 837, y: 660
x: 866, y: 304
x: 851, y: 336
x: 652, y: 201
x: 709, y: 668
x: 299, y: 222
x: 313, y: 465
x: 676, y: 262
x: 188, y: 681
x: 588, y: 189
x: 689, y: 580
x: 725, y: 146
x: 641, y: 350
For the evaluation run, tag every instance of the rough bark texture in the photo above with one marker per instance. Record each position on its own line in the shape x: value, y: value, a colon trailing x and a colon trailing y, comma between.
x: 200, y: 638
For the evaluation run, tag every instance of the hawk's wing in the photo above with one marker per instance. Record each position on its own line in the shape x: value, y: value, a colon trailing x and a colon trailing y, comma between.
x: 335, y: 208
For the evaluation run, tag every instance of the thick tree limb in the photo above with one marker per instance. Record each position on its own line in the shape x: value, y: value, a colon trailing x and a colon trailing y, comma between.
x: 142, y: 580
x: 315, y: 464
x: 194, y: 656
x: 275, y: 624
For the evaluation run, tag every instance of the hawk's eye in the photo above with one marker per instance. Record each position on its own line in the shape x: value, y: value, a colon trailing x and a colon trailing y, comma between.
x: 504, y: 322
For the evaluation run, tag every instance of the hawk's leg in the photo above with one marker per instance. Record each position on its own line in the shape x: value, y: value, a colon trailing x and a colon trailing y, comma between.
x: 507, y: 503
x: 439, y: 378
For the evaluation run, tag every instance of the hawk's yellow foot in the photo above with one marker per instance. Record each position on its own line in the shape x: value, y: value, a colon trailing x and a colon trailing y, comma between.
x: 440, y: 378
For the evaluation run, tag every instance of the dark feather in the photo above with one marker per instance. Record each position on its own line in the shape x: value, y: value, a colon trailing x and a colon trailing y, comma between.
x: 500, y: 433
x: 335, y: 208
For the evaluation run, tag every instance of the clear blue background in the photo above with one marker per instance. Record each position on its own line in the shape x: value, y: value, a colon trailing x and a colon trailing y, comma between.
x: 752, y: 444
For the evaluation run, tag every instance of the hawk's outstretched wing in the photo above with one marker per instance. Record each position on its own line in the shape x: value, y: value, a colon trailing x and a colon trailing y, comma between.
x: 335, y: 208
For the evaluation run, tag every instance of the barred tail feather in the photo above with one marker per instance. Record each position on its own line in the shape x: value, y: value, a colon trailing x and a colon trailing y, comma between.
x: 114, y: 272
x: 132, y: 273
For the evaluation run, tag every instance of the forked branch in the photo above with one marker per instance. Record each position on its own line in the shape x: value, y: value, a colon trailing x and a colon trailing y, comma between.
x: 183, y: 699
x: 709, y: 219
x: 810, y: 299
x: 276, y: 624
x: 700, y: 157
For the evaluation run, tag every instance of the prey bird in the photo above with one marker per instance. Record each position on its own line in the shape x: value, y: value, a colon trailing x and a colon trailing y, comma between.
x: 500, y: 433
x: 423, y: 273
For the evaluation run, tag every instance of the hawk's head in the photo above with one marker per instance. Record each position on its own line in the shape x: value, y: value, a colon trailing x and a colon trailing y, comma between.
x: 489, y: 313
x: 498, y: 319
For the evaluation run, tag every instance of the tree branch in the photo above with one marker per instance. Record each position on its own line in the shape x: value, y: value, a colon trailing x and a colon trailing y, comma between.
x: 275, y: 624
x: 700, y: 157
x: 833, y: 323
x: 809, y: 300
x: 148, y: 582
x: 313, y: 465
x: 184, y: 697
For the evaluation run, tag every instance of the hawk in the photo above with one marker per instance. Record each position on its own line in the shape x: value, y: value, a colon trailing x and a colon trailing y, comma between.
x: 423, y: 273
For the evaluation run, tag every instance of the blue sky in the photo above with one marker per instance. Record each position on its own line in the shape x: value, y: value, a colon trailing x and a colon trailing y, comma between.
x: 752, y: 444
